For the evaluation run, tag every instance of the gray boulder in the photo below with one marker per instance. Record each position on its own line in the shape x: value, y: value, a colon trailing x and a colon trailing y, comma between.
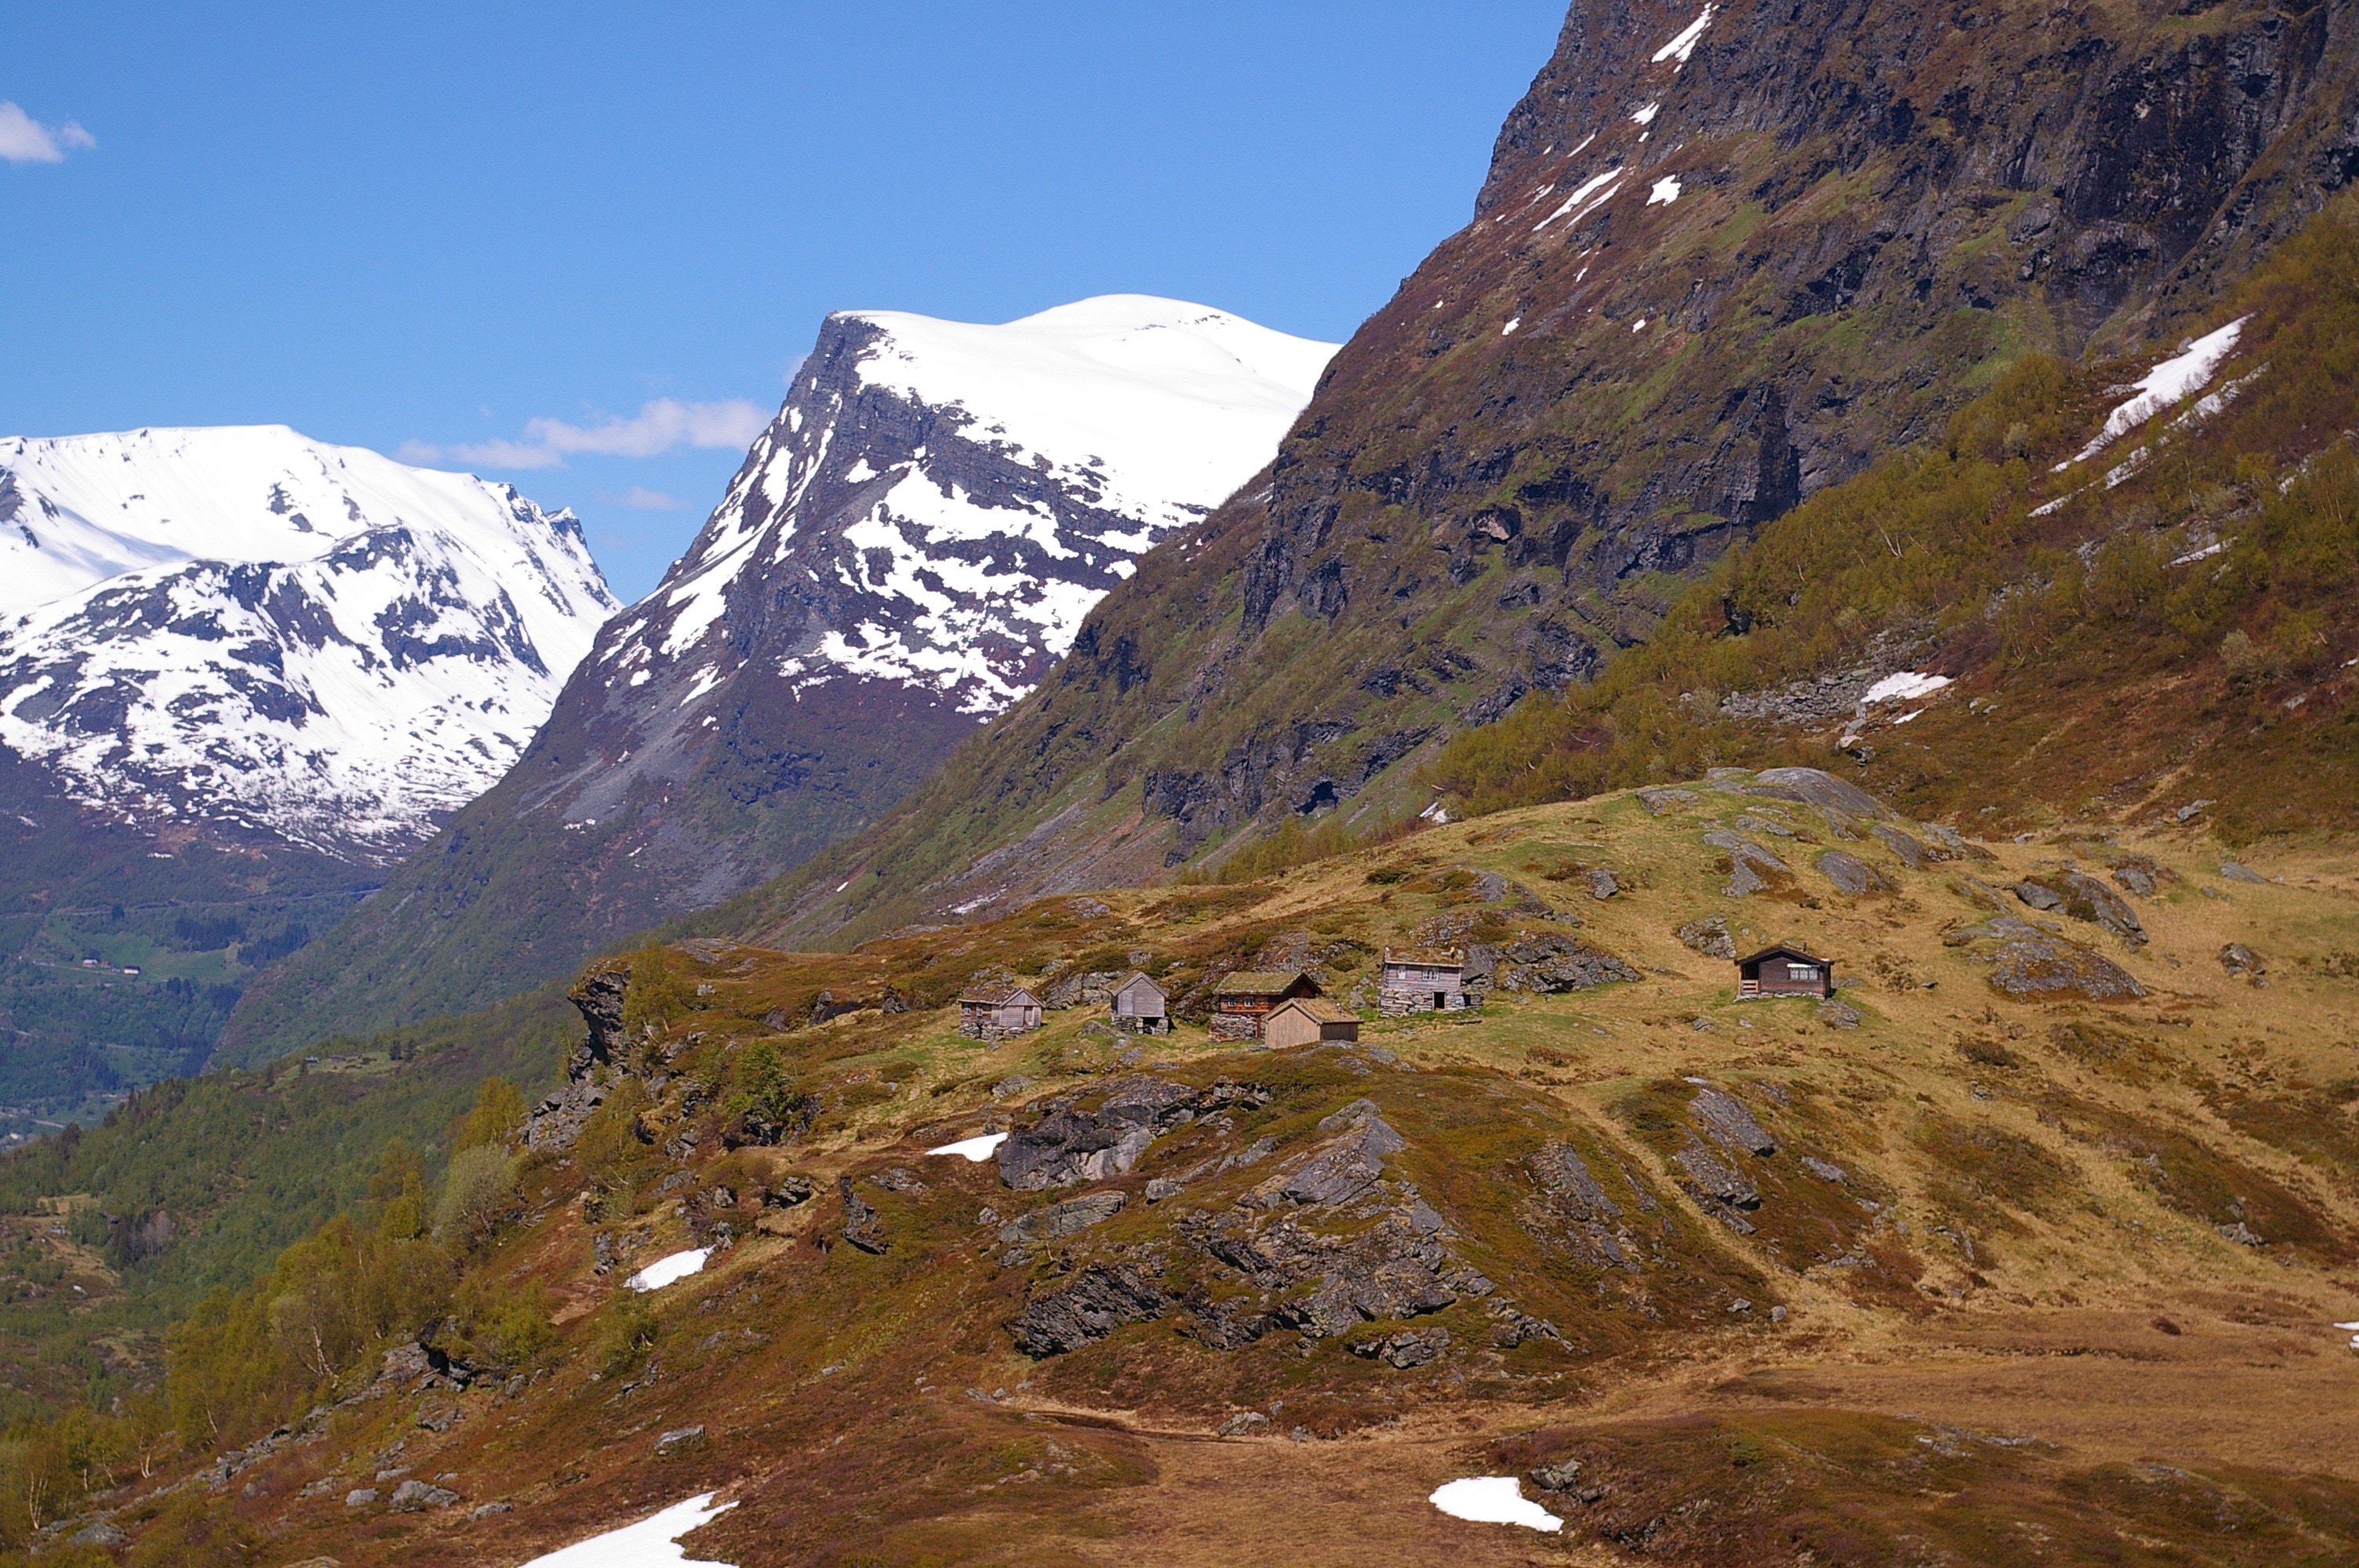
x: 416, y: 1496
x: 1658, y: 801
x: 1911, y: 853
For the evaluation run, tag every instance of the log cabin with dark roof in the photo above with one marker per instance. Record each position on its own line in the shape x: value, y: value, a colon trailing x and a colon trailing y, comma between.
x: 1782, y: 971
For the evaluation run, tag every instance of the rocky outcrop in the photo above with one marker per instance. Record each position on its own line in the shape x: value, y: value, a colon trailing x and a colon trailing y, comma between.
x: 1547, y: 963
x: 1099, y: 1299
x: 1069, y: 1145
x: 2084, y: 897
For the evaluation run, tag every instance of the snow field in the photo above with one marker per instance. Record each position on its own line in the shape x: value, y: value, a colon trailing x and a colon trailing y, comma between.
x: 1903, y: 685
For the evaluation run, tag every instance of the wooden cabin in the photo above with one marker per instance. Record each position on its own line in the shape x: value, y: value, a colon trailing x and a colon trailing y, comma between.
x: 1784, y: 971
x: 1245, y: 998
x: 1307, y: 1021
x: 996, y: 1014
x: 1423, y: 980
x: 1139, y: 1006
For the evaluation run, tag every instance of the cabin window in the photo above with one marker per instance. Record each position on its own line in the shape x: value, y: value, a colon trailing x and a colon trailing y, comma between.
x: 1802, y: 971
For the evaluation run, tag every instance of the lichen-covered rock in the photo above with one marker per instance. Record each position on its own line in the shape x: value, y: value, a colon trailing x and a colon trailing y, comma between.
x: 2082, y: 897
x: 1408, y: 1348
x: 2231, y: 871
x: 416, y: 1496
x: 1339, y: 1171
x: 1723, y: 1115
x: 1099, y: 1299
x: 1911, y: 852
x: 1715, y: 1186
x: 1814, y: 786
x: 2042, y: 966
x: 1658, y: 801
x: 863, y: 1226
x: 2242, y: 961
x: 1060, y: 1220
x: 1710, y: 937
x: 1851, y: 875
x: 1549, y: 964
x: 1750, y: 865
x: 1569, y: 1186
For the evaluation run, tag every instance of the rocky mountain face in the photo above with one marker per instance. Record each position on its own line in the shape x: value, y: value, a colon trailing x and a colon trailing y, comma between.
x: 1725, y: 255
x: 909, y: 549
x: 241, y: 672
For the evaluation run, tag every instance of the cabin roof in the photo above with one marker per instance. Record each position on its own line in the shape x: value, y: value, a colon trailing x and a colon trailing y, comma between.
x: 1435, y: 957
x: 1319, y: 1010
x: 1140, y: 977
x: 1257, y: 982
x: 1778, y: 950
x: 999, y: 997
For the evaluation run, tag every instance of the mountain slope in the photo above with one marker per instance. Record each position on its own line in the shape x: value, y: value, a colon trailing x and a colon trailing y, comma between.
x: 240, y: 672
x: 909, y: 549
x: 1724, y: 259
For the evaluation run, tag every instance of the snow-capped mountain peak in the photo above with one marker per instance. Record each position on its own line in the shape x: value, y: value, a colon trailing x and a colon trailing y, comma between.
x: 243, y: 626
x: 938, y: 504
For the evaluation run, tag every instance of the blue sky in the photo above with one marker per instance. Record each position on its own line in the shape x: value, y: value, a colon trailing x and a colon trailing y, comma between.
x: 586, y: 237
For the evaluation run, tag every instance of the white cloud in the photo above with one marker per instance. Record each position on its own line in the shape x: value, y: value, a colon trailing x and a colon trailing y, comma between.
x: 24, y: 139
x: 663, y: 426
x: 657, y: 427
x: 639, y: 498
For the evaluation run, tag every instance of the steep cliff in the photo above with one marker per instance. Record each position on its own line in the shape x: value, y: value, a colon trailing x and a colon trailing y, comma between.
x: 1724, y: 259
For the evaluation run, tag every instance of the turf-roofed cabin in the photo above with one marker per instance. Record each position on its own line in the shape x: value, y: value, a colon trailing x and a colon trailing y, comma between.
x: 1784, y: 971
x: 1139, y: 1006
x: 990, y: 1014
x: 1245, y: 998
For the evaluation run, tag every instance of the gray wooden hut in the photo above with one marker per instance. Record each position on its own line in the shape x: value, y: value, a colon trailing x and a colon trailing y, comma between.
x: 996, y: 1013
x: 1140, y: 1007
x: 1423, y: 980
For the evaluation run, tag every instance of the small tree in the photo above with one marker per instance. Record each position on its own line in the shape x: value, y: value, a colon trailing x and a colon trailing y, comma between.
x: 479, y: 1192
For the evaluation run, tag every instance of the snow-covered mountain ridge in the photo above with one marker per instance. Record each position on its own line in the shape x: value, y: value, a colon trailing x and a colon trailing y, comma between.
x: 243, y: 627
x: 911, y: 546
x: 940, y: 504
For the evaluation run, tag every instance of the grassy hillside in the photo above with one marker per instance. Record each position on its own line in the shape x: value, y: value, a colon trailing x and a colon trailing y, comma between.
x: 111, y: 1232
x: 1968, y: 1262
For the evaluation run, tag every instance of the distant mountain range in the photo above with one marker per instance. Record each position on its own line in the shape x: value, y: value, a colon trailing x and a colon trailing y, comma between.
x: 241, y: 673
x: 911, y: 546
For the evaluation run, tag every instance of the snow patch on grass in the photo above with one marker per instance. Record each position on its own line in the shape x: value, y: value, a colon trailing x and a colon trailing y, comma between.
x: 977, y: 1149
x: 1905, y: 684
x: 651, y: 1543
x: 1666, y: 191
x: 1493, y: 1499
x: 2164, y: 385
x: 664, y: 1270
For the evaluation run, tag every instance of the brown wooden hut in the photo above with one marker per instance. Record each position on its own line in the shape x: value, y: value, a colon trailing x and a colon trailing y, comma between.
x: 1139, y: 1006
x: 1422, y: 980
x: 993, y: 1014
x: 1307, y: 1021
x: 1782, y: 971
x: 1244, y: 999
